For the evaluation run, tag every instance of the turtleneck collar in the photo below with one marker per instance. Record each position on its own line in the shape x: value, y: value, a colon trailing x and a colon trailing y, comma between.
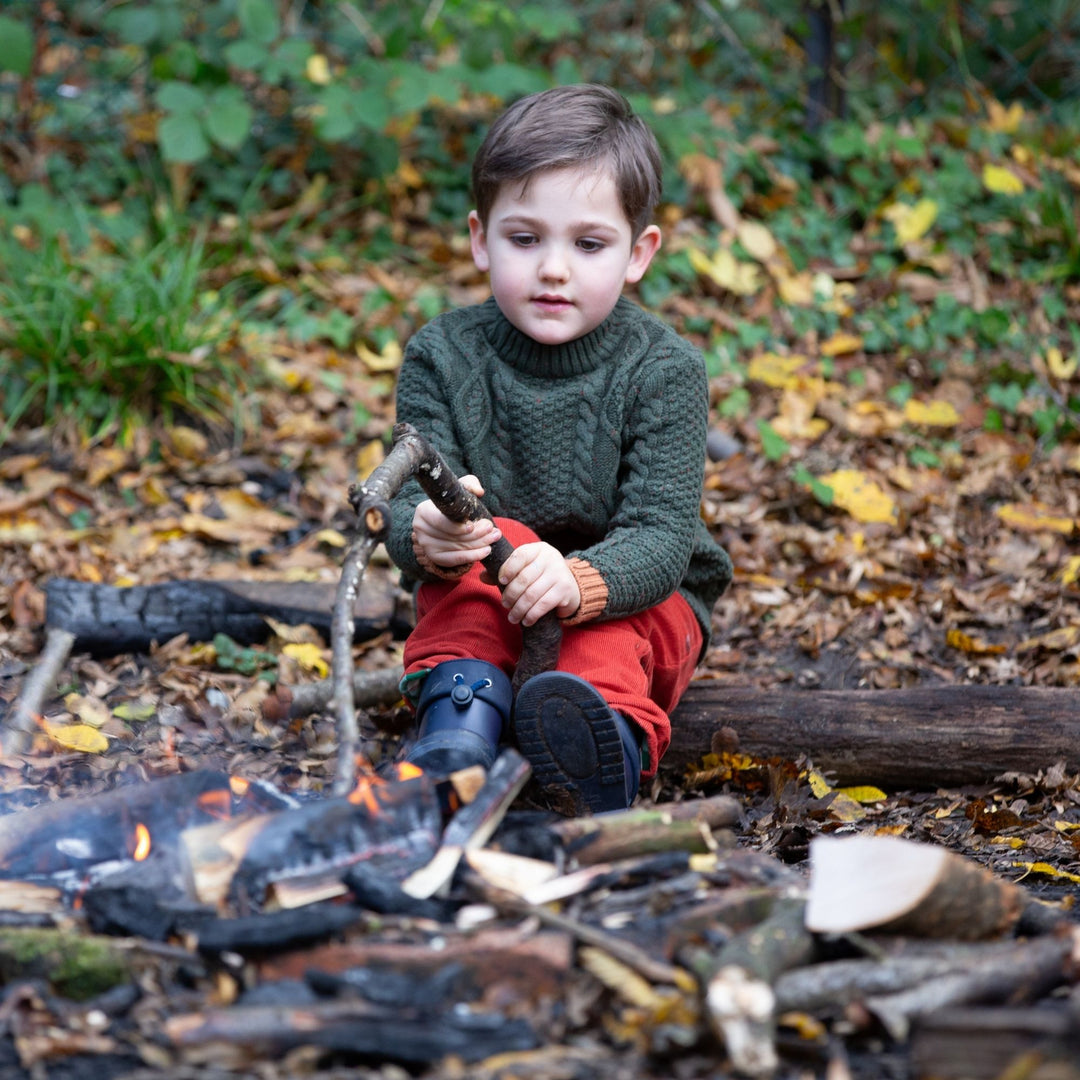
x: 576, y: 357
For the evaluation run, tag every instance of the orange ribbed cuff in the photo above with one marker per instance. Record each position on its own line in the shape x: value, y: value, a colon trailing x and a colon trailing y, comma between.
x: 446, y: 573
x: 593, y: 589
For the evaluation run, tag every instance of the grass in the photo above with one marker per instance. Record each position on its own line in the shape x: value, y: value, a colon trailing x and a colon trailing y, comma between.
x: 107, y: 338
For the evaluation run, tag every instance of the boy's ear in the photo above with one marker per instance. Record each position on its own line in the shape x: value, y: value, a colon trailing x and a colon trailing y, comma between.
x: 641, y: 254
x: 478, y: 242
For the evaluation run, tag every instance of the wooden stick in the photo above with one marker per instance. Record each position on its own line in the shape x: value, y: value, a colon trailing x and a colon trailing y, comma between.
x: 22, y: 722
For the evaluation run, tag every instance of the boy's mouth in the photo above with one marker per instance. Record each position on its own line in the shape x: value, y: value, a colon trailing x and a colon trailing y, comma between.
x: 550, y: 302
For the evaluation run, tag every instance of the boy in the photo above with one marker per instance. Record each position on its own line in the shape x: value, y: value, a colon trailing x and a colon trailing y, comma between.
x: 581, y: 421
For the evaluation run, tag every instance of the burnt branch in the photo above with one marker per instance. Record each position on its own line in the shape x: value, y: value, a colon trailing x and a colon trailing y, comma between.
x: 412, y: 456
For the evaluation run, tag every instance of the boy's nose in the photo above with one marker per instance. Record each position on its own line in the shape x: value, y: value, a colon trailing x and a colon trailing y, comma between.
x: 554, y: 266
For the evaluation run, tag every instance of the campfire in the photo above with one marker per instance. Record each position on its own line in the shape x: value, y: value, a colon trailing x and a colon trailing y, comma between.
x: 420, y: 918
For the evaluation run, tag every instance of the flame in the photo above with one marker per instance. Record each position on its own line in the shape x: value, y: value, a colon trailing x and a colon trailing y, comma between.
x: 364, y: 795
x: 239, y: 786
x: 142, y: 842
x: 216, y: 803
x: 406, y: 770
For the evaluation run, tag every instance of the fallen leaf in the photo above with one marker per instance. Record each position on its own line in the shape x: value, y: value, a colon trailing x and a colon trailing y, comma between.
x: 309, y: 657
x: 80, y: 737
x: 957, y: 639
x: 861, y: 497
x: 1034, y: 517
x: 931, y: 413
x: 911, y: 222
x: 774, y: 370
x: 1001, y: 181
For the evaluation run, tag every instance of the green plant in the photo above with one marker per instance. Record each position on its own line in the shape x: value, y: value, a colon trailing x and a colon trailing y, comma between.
x: 108, y: 337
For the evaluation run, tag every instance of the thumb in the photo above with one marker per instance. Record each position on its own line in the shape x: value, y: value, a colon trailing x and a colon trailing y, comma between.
x: 472, y: 485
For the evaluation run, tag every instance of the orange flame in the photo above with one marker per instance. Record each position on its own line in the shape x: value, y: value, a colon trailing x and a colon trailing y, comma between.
x: 216, y: 803
x: 239, y: 786
x: 142, y: 842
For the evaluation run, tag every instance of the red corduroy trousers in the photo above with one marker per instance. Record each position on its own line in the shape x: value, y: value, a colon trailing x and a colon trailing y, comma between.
x: 641, y: 664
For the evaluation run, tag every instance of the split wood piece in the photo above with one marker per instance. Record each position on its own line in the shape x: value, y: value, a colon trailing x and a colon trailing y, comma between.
x: 403, y: 1035
x: 107, y: 620
x: 79, y: 833
x: 682, y: 826
x: 393, y: 824
x: 472, y: 826
x: 1035, y: 969
x: 22, y: 723
x: 901, y: 965
x: 412, y: 457
x: 888, y: 883
x: 986, y: 1043
x: 925, y: 737
x: 739, y: 998
x: 29, y: 898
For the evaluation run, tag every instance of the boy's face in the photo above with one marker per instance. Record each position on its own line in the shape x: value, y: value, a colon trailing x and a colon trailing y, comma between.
x: 558, y: 250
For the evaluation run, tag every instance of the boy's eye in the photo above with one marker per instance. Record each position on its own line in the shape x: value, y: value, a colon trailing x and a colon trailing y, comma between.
x: 522, y: 239
x: 588, y: 245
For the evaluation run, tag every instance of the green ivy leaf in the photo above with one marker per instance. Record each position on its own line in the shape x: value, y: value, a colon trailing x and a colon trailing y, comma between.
x: 259, y: 20
x: 180, y: 97
x: 229, y: 119
x: 182, y: 139
x: 16, y: 46
x: 246, y: 54
x: 774, y: 445
x: 335, y: 120
x: 136, y: 25
x: 822, y: 492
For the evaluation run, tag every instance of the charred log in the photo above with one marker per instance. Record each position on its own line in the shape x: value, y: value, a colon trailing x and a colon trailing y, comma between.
x: 107, y: 619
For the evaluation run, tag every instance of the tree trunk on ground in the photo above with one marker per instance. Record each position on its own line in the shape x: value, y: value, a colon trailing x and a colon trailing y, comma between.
x: 923, y: 737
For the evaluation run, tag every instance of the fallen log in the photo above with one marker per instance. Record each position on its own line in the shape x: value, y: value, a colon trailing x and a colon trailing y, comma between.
x: 106, y: 620
x: 924, y: 737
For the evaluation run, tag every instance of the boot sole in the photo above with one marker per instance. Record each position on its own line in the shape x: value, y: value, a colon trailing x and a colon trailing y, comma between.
x: 568, y: 734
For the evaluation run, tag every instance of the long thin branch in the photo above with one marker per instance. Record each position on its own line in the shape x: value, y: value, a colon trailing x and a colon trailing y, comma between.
x: 23, y: 721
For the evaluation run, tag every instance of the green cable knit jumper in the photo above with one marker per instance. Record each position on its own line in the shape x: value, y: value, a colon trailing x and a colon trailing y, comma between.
x: 598, y: 445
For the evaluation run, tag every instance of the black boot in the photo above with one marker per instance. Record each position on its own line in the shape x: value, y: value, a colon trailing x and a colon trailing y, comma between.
x: 584, y: 755
x: 462, y: 708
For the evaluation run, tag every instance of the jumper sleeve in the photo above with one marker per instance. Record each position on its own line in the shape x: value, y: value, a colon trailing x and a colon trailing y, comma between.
x: 422, y: 402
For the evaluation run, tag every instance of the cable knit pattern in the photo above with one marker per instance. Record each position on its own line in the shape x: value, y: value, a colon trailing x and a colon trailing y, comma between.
x: 597, y: 444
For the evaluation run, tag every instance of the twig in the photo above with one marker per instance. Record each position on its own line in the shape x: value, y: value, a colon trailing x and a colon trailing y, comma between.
x: 22, y: 723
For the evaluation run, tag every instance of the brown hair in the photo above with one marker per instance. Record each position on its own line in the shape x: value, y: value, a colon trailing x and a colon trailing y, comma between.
x: 572, y: 126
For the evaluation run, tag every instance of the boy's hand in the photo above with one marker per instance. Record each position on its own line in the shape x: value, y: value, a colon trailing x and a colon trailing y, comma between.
x: 537, y: 580
x: 452, y: 543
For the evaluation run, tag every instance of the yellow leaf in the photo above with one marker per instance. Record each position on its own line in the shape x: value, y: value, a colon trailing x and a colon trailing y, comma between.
x: 1059, y: 640
x: 1034, y: 517
x: 841, y: 343
x: 248, y: 510
x: 794, y: 289
x: 1058, y: 366
x: 1048, y: 870
x: 79, y: 737
x: 1004, y: 120
x: 1071, y: 571
x: 846, y: 809
x: 135, y: 710
x: 368, y: 458
x: 818, y: 784
x: 187, y: 443
x: 742, y: 279
x: 861, y: 497
x: 309, y: 657
x: 331, y: 538
x: 1066, y: 826
x: 1001, y: 181
x: 864, y: 793
x: 317, y: 69
x: 1009, y: 841
x: 388, y: 358
x: 757, y: 240
x: 957, y: 639
x: 90, y: 710
x: 891, y: 830
x: 931, y: 413
x: 912, y: 222
x: 774, y: 370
